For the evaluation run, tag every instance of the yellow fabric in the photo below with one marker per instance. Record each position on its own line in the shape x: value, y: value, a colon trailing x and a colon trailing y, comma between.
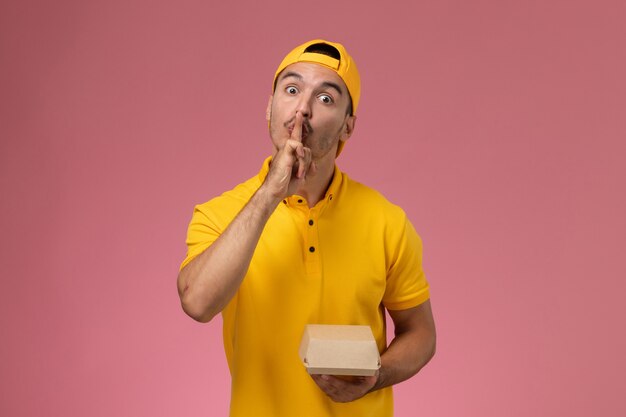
x: 366, y: 254
x: 346, y: 69
x: 330, y: 62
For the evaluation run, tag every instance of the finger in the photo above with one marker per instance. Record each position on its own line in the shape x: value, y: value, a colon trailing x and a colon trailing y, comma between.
x: 323, y: 382
x: 334, y: 388
x: 301, y: 155
x: 295, y: 148
x: 296, y: 133
x: 330, y: 383
x: 304, y: 162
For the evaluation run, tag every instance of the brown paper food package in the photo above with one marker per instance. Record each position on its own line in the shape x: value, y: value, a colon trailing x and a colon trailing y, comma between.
x: 339, y: 350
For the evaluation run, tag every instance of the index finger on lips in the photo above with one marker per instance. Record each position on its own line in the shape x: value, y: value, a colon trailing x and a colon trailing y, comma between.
x: 296, y: 133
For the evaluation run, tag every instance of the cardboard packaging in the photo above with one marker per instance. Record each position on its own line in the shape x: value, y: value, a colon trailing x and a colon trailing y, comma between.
x: 339, y: 350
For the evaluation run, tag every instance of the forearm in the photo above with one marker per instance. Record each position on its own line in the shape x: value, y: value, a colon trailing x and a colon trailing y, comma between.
x: 411, y: 349
x: 209, y: 282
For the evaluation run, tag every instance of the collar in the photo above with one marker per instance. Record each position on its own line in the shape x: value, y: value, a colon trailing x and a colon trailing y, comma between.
x: 331, y: 191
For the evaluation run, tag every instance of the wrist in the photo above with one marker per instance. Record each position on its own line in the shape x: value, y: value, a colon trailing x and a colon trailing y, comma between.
x: 265, y: 199
x: 380, y: 381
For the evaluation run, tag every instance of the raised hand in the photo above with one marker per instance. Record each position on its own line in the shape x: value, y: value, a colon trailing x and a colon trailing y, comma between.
x: 291, y: 165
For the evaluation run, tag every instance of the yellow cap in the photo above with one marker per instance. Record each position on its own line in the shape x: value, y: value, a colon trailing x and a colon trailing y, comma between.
x: 344, y: 67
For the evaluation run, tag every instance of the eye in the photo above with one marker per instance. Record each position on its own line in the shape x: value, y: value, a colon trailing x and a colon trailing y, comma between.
x: 291, y: 90
x: 326, y: 99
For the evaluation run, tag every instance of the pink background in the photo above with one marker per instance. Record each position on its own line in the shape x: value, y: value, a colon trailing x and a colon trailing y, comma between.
x: 499, y: 126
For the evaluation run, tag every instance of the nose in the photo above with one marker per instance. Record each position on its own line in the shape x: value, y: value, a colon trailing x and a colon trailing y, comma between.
x: 304, y: 105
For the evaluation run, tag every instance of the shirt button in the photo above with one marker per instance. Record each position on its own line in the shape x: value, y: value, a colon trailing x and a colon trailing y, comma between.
x: 311, y: 249
x: 310, y: 222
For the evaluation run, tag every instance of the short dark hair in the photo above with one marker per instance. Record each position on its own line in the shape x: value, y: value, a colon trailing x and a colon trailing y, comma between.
x: 324, y: 49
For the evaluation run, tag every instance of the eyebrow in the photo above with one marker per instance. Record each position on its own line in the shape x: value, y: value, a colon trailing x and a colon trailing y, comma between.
x: 326, y: 84
x: 290, y: 74
x: 332, y: 85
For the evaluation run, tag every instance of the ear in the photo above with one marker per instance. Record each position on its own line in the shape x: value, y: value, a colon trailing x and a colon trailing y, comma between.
x: 348, y: 128
x: 268, y: 111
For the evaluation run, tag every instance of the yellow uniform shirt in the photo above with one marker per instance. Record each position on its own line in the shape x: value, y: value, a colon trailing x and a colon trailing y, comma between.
x: 339, y: 262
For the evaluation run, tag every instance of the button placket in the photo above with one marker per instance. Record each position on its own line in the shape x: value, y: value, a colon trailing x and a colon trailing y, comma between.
x: 312, y: 250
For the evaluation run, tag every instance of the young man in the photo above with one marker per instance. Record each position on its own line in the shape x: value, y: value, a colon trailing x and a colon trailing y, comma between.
x: 301, y: 243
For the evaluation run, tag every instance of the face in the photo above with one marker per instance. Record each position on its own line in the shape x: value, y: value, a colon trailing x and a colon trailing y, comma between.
x: 322, y: 98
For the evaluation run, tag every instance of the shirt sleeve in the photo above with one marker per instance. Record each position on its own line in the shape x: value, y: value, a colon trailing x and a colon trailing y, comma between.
x: 202, y: 232
x: 406, y: 283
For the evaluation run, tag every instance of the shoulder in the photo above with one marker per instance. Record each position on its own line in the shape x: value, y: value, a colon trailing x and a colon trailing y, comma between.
x: 364, y: 198
x: 367, y: 213
x: 223, y: 208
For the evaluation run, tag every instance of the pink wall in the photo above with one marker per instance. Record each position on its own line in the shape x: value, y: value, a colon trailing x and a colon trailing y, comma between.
x: 498, y: 125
